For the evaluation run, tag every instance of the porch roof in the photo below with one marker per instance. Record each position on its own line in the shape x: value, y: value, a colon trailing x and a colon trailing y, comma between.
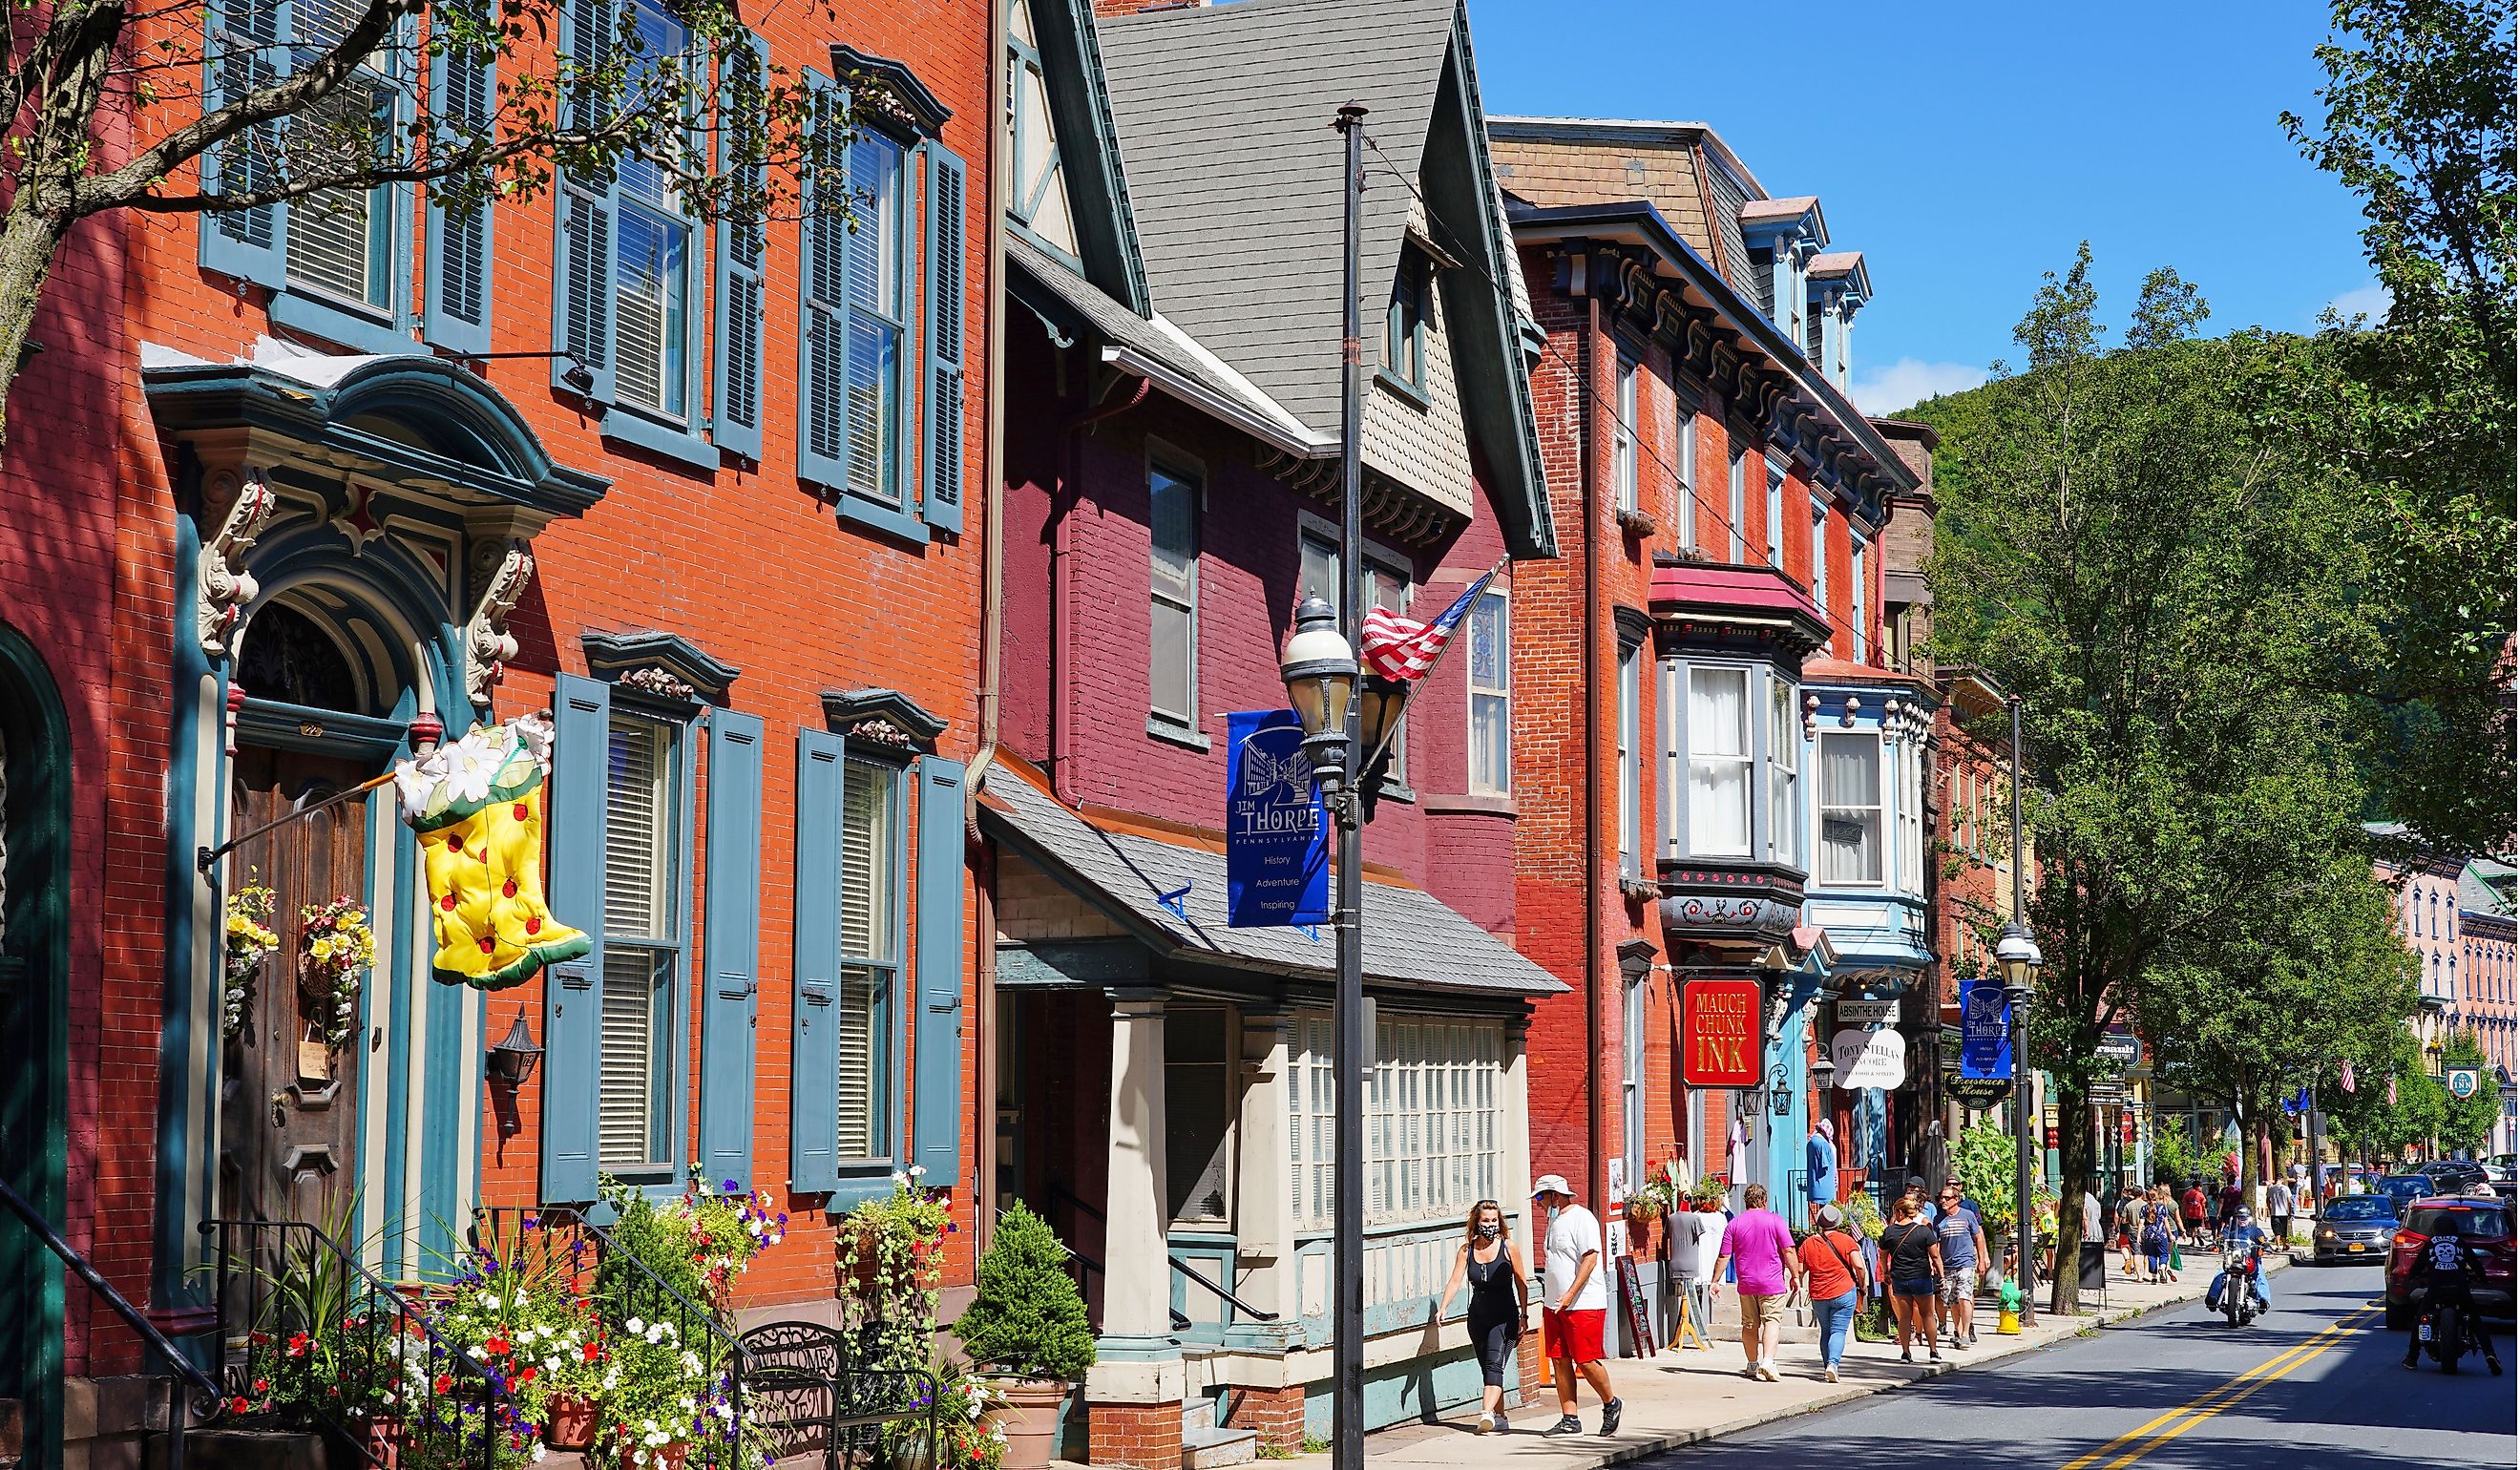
x: 1412, y: 940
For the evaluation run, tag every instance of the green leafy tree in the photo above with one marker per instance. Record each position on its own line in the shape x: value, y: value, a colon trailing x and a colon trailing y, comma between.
x: 2466, y: 1121
x: 2367, y: 1122
x: 1027, y: 1317
x: 2415, y: 413
x: 2160, y: 585
x: 227, y: 114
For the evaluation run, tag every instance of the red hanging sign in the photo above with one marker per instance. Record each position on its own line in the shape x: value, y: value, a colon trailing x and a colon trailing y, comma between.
x: 1719, y: 1033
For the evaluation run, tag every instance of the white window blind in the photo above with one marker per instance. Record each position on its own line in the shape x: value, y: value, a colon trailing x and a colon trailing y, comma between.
x: 1172, y: 653
x: 1735, y: 474
x: 1857, y: 598
x: 340, y: 239
x: 1631, y: 781
x: 1719, y: 763
x: 642, y: 921
x: 1784, y: 774
x: 1686, y: 443
x: 1776, y: 515
x: 1819, y: 558
x: 869, y: 952
x: 1850, y: 819
x: 1623, y: 438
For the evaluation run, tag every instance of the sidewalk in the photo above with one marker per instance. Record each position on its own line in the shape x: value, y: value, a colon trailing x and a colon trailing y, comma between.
x: 1683, y: 1395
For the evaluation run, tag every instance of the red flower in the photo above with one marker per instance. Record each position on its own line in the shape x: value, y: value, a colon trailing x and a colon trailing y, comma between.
x: 262, y: 1385
x: 297, y: 1345
x: 594, y: 1351
x: 444, y: 1382
x: 237, y: 1404
x: 496, y: 1347
x: 526, y: 1374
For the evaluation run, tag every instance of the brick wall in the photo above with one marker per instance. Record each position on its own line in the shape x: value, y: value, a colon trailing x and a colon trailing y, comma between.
x: 1136, y: 1436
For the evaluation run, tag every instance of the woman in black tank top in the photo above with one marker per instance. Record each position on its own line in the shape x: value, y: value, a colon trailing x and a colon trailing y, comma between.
x: 1486, y: 1260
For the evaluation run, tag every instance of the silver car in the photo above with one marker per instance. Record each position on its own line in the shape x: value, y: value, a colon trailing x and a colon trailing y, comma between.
x: 2354, y: 1229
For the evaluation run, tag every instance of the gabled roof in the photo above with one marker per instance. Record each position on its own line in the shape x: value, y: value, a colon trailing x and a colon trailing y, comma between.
x: 1234, y: 172
x: 1779, y: 213
x: 1843, y: 265
x: 1089, y: 149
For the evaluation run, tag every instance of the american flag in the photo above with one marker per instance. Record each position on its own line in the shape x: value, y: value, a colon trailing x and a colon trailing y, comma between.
x: 1402, y: 648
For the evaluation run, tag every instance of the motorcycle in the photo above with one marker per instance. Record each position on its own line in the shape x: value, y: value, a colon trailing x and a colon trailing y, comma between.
x: 2239, y: 1285
x: 2443, y: 1331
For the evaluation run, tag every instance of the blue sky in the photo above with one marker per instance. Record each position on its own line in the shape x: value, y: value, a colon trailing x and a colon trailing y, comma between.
x: 1965, y: 149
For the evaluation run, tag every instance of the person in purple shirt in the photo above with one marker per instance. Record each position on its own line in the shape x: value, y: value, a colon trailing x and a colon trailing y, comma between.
x: 1762, y: 1249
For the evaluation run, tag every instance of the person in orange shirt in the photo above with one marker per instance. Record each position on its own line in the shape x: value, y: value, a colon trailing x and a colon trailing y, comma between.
x: 1829, y: 1266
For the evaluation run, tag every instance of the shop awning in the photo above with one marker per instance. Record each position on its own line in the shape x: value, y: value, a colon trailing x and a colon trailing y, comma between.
x: 1167, y: 890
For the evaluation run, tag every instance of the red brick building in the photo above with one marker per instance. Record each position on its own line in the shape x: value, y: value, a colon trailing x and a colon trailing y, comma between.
x: 320, y: 483
x: 1719, y: 499
x: 1173, y: 407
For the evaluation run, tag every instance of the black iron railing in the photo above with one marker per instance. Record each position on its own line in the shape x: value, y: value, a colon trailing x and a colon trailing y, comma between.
x: 811, y: 1395
x: 314, y: 1340
x: 1182, y: 1268
x: 191, y: 1395
x: 556, y: 1245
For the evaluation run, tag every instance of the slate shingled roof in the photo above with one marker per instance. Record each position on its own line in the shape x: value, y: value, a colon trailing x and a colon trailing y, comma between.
x: 2485, y: 886
x: 1412, y: 940
x: 1224, y: 117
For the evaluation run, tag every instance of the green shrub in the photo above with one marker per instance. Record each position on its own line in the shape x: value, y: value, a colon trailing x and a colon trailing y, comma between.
x: 1027, y: 1318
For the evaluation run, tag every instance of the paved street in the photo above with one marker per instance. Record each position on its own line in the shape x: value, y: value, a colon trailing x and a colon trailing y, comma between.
x: 2316, y: 1383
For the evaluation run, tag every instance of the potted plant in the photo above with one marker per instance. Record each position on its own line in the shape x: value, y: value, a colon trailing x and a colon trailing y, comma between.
x: 1706, y: 1196
x: 1026, y: 1325
x: 1651, y: 1201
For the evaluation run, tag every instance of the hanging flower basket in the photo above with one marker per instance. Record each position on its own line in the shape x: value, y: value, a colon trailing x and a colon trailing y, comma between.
x: 250, y: 940
x: 339, y: 947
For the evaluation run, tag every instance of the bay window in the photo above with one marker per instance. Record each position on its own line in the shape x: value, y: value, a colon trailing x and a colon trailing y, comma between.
x: 1719, y: 762
x: 1784, y: 774
x: 1912, y: 817
x: 1387, y: 586
x: 1851, y: 808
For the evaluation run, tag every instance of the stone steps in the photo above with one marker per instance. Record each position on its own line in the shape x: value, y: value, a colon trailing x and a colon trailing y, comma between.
x: 1205, y: 1444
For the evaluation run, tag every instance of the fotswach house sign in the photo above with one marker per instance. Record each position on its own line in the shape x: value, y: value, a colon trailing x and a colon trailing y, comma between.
x: 1719, y: 1033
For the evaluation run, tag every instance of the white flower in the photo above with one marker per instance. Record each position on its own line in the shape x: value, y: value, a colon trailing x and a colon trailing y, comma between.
x: 899, y: 1177
x: 655, y: 1436
x: 551, y: 1365
x: 691, y: 1362
x: 917, y: 1170
x: 539, y: 1452
x: 490, y: 1301
x: 634, y: 1327
x: 655, y: 1332
x: 519, y: 1300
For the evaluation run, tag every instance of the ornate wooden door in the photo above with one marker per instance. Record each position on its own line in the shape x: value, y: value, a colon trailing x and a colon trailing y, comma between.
x: 289, y: 1100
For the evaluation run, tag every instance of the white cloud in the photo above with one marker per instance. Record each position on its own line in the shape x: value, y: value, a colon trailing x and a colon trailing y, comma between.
x: 2371, y: 300
x: 1908, y: 381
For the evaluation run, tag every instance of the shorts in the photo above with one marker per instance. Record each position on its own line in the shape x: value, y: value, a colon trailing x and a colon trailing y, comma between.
x: 1957, y: 1284
x: 1759, y: 1308
x: 1575, y: 1336
x: 1921, y: 1286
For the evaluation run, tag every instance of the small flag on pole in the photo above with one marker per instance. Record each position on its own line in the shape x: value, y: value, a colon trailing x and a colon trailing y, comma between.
x: 2393, y: 1090
x: 2347, y: 1082
x: 1401, y: 649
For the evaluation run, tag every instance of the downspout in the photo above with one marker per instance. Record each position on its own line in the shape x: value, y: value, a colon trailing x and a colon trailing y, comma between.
x: 993, y: 589
x: 1587, y: 462
x: 1062, y: 554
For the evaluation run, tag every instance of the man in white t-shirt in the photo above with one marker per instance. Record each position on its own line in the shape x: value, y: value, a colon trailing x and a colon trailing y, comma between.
x: 1575, y: 1303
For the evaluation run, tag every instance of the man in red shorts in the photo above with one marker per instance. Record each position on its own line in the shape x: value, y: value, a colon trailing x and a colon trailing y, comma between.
x: 1575, y: 1303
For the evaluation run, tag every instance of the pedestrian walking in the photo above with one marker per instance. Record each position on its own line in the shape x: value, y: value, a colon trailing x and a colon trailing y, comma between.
x: 1575, y: 1303
x: 2279, y: 1207
x: 1499, y: 1295
x: 2229, y: 1208
x: 1761, y: 1246
x: 2130, y: 1206
x: 2155, y: 1227
x: 2191, y: 1210
x: 1830, y: 1265
x: 1916, y: 1258
x: 1963, y: 1245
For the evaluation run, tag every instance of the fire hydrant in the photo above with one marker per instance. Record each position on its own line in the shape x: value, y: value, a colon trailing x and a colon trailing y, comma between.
x: 2008, y: 1297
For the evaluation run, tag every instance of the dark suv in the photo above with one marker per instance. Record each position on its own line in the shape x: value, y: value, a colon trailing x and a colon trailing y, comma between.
x: 2454, y: 1175
x: 2483, y: 1224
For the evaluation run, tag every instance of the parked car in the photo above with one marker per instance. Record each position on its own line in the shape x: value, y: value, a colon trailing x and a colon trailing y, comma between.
x: 2454, y: 1175
x: 2354, y: 1229
x: 2487, y: 1225
x: 2502, y: 1168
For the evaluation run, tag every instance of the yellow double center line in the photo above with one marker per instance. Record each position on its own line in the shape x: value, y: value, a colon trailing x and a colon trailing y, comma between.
x: 2143, y: 1439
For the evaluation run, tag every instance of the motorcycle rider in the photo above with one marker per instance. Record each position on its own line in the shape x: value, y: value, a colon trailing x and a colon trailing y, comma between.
x: 2442, y: 1267
x: 2242, y: 1235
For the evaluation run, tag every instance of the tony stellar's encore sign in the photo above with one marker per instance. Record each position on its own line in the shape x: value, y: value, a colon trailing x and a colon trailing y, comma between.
x: 1719, y: 1033
x: 1276, y: 852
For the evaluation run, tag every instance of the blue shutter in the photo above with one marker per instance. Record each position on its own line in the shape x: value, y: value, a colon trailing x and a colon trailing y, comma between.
x: 582, y: 268
x: 946, y: 272
x: 740, y: 261
x: 814, y: 1066
x: 733, y: 955
x: 572, y: 997
x: 937, y: 1134
x: 822, y: 334
x: 456, y: 313
x: 250, y: 245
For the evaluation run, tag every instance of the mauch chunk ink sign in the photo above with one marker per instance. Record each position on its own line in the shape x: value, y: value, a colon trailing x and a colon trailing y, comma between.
x: 1719, y: 1033
x: 1276, y: 848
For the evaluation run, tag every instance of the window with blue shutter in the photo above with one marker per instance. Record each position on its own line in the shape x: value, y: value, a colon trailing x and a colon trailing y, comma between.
x: 947, y: 265
x: 740, y: 263
x: 733, y: 953
x: 938, y: 1046
x: 823, y: 327
x: 463, y: 95
x: 582, y: 308
x: 337, y: 261
x: 813, y: 1162
x: 573, y: 998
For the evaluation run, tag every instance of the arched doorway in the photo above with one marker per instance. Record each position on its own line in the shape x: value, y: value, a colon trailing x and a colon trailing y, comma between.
x: 34, y: 1030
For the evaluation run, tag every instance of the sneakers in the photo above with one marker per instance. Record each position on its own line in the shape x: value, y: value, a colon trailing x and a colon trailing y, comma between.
x: 1828, y: 1374
x: 1767, y: 1372
x: 1485, y: 1425
x: 1568, y: 1424
x: 1610, y: 1415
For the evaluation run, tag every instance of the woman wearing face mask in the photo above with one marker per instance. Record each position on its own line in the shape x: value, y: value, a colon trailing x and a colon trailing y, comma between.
x: 1498, y: 1292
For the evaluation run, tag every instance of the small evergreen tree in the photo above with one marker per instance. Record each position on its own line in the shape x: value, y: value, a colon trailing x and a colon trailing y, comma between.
x: 1027, y: 1318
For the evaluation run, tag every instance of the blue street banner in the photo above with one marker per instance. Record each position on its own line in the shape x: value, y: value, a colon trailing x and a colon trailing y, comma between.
x: 1986, y: 1030
x: 1276, y: 836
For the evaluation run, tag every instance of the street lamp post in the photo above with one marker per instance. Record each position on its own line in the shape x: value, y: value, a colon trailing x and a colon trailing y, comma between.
x: 2016, y: 953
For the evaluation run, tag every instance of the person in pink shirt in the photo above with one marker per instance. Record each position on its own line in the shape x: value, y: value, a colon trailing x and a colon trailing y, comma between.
x: 1761, y: 1246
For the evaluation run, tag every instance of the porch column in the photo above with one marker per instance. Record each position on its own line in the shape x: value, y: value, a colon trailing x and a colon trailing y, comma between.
x: 1513, y: 1193
x: 1132, y: 1393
